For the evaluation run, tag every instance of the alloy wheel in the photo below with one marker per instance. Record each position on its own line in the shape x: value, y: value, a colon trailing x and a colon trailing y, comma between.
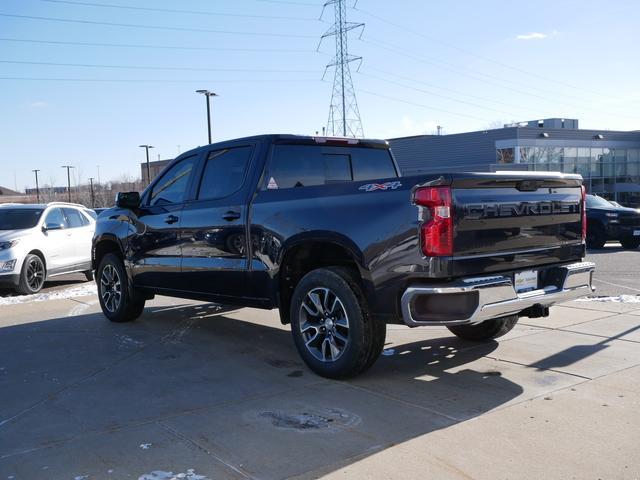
x: 324, y: 324
x: 110, y: 288
x: 35, y: 274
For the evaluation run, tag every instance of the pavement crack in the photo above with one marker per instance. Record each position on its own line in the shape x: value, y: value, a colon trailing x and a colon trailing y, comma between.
x: 204, y: 449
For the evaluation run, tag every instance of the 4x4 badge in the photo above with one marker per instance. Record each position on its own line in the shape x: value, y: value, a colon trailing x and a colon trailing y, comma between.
x: 372, y: 187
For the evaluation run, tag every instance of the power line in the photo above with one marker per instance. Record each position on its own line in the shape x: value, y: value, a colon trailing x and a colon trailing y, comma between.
x: 414, y: 104
x: 156, y: 27
x: 452, y: 68
x: 150, y: 67
x: 160, y: 47
x: 473, y: 54
x: 134, y: 80
x: 392, y: 82
x: 432, y: 85
x: 172, y: 10
x: 546, y: 97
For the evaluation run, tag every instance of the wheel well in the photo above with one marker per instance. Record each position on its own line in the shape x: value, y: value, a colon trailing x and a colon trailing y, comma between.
x: 594, y: 224
x: 303, y: 258
x: 41, y: 255
x: 101, y: 249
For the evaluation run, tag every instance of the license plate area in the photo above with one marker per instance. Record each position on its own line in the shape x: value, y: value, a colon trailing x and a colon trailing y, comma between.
x: 636, y: 233
x: 525, y: 281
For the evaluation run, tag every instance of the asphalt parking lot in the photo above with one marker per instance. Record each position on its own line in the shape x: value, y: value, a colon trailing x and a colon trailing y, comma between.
x: 198, y: 391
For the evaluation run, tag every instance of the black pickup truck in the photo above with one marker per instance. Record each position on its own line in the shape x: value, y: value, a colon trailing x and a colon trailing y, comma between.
x: 606, y: 221
x: 329, y: 232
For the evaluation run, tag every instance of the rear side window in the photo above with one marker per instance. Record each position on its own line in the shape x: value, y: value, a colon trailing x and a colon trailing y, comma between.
x: 55, y: 217
x: 172, y: 186
x: 74, y: 218
x: 371, y: 164
x: 307, y: 165
x: 224, y: 172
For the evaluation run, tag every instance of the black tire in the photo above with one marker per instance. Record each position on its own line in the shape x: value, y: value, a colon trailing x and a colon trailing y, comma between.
x: 596, y: 237
x: 486, y: 330
x: 32, y: 275
x: 88, y: 275
x: 118, y: 300
x: 630, y: 243
x: 364, y: 336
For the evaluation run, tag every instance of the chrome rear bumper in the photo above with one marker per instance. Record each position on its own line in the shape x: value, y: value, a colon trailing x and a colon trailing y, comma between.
x: 493, y: 296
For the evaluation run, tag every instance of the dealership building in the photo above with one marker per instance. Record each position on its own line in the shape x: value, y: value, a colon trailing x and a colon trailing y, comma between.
x: 609, y: 161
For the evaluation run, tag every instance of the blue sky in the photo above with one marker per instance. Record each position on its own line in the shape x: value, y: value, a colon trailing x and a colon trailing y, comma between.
x: 465, y: 65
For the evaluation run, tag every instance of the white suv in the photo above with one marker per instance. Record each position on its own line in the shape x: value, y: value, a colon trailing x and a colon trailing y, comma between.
x: 38, y: 242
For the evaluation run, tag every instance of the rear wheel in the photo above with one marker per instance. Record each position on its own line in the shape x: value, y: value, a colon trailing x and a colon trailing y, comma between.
x: 32, y: 275
x: 596, y: 237
x: 630, y: 243
x: 331, y: 325
x: 118, y: 300
x: 486, y: 330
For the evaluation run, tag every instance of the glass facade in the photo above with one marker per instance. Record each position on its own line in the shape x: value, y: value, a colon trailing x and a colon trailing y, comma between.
x: 608, y: 172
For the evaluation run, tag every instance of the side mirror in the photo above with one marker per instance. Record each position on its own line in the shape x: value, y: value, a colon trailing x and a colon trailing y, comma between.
x: 53, y: 226
x: 128, y: 200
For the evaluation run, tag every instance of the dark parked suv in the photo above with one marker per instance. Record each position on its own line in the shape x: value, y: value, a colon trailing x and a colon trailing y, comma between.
x: 329, y: 232
x: 607, y: 221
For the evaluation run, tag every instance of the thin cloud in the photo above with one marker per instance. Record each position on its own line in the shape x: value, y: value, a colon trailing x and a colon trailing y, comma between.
x: 536, y: 35
x: 38, y: 104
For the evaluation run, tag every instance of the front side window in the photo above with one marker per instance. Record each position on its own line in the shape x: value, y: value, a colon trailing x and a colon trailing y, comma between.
x: 19, y: 218
x: 74, y: 218
x: 55, y: 217
x: 172, y: 186
x: 224, y: 173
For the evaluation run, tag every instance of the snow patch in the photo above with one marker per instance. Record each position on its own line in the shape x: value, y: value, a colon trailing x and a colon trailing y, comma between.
x: 388, y: 352
x: 616, y: 299
x: 127, y: 341
x: 160, y: 475
x: 145, y: 446
x: 74, y: 292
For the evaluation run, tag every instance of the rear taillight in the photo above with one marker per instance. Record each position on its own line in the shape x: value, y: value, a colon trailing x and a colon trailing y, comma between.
x: 584, y: 213
x: 436, y: 233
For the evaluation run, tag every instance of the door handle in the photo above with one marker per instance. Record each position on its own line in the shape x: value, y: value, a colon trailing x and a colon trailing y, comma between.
x: 231, y: 215
x: 171, y: 219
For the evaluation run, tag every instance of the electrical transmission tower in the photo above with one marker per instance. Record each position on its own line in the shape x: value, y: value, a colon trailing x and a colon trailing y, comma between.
x: 344, y: 116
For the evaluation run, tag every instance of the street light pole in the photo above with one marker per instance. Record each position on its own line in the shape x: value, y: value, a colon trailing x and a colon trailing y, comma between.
x: 207, y: 95
x: 68, y: 167
x: 147, y: 147
x: 37, y: 187
x: 93, y: 200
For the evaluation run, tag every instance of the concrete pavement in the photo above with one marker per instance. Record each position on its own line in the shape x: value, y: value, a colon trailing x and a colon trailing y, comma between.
x: 209, y: 393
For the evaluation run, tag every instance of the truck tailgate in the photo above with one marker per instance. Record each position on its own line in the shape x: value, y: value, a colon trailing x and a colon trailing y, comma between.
x: 515, y: 219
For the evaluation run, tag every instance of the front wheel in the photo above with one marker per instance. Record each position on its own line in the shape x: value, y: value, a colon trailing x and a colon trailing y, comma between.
x: 630, y: 243
x: 32, y: 275
x: 331, y: 324
x: 119, y: 302
x: 486, y: 330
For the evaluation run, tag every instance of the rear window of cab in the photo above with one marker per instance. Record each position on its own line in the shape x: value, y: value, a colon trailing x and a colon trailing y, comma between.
x: 294, y: 166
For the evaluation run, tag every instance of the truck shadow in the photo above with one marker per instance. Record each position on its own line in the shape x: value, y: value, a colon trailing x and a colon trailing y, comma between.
x: 227, y: 385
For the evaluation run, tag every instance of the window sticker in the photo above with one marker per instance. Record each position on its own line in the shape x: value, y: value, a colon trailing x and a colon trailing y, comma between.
x: 272, y: 185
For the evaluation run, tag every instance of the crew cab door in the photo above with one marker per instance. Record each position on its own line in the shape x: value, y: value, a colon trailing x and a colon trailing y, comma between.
x: 154, y: 248
x: 214, y: 225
